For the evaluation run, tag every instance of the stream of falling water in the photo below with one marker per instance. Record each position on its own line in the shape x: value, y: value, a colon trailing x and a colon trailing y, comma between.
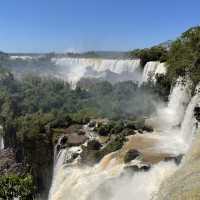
x: 1, y: 138
x: 107, y: 180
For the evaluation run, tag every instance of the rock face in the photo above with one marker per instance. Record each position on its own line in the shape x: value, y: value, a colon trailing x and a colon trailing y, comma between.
x: 131, y: 155
x: 185, y: 183
x: 76, y: 139
x: 70, y: 140
x: 94, y: 145
x: 8, y: 163
x: 197, y: 112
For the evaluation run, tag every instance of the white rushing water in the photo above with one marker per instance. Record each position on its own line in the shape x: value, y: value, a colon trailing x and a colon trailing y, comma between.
x: 151, y: 69
x: 172, y: 115
x: 75, y: 68
x: 104, y: 181
x: 1, y: 138
x: 189, y: 124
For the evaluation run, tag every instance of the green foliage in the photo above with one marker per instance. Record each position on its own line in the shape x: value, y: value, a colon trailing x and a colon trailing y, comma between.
x: 12, y: 186
x: 162, y: 86
x: 184, y: 56
x: 156, y: 53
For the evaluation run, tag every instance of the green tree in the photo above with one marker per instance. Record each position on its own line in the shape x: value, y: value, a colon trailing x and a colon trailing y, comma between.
x: 12, y: 186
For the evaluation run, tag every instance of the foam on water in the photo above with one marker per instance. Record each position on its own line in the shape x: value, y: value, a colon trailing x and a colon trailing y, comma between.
x: 173, y: 133
x: 75, y: 68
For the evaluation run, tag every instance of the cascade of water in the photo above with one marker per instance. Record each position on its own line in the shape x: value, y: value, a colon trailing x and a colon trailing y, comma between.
x: 189, y: 124
x: 172, y: 115
x: 103, y: 181
x: 161, y: 69
x: 1, y: 138
x: 72, y: 69
x: 149, y: 70
x: 62, y: 161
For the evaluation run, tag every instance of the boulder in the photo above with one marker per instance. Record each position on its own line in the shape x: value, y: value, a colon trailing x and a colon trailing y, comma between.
x: 148, y: 128
x: 102, y: 131
x: 63, y: 140
x: 81, y: 132
x: 138, y: 168
x: 75, y: 139
x: 131, y: 155
x: 92, y: 124
x: 94, y: 145
x: 176, y: 159
x: 197, y: 113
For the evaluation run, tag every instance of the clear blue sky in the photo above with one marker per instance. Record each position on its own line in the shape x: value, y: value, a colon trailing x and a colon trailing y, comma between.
x: 62, y: 25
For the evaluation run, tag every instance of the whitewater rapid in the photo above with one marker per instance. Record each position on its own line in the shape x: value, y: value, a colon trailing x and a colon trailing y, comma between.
x: 172, y: 136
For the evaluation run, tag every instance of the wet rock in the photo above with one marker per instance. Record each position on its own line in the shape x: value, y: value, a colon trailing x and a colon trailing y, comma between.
x: 75, y: 139
x: 148, y: 128
x: 58, y: 147
x: 197, y: 113
x: 92, y: 124
x: 102, y: 131
x: 91, y: 157
x: 140, y: 131
x: 176, y: 159
x: 131, y: 125
x: 94, y: 145
x: 127, y: 132
x: 138, y: 168
x: 63, y: 140
x: 131, y: 155
x: 81, y: 132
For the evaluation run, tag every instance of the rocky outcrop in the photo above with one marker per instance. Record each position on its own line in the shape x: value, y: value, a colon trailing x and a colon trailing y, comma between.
x: 184, y: 184
x: 9, y: 164
x: 131, y: 155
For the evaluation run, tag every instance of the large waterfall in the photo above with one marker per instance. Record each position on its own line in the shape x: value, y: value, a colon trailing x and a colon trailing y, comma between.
x: 172, y: 115
x: 174, y: 128
x: 75, y: 68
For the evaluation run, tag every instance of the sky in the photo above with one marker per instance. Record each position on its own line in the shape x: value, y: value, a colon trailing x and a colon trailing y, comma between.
x: 84, y: 25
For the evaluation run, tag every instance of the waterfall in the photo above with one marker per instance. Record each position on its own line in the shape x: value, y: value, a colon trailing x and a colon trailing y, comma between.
x: 161, y: 69
x: 171, y: 116
x: 104, y: 181
x: 1, y: 143
x: 1, y: 138
x: 189, y: 124
x: 72, y: 69
x: 151, y: 69
x: 107, y: 180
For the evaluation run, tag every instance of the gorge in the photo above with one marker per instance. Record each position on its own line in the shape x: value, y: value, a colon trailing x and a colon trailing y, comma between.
x: 94, y: 128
